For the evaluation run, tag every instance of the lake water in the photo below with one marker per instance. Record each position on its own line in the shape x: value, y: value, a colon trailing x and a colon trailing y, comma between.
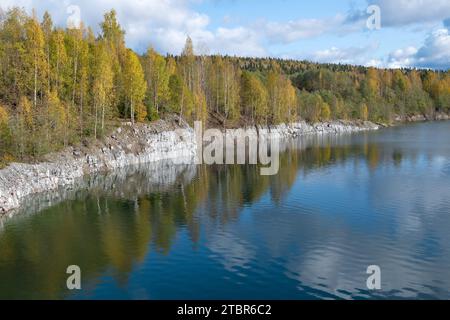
x: 338, y: 205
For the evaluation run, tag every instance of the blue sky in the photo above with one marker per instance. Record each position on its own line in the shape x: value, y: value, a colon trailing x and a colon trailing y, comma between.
x: 413, y: 33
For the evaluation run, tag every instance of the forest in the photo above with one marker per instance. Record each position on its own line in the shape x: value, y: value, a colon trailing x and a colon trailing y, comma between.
x: 66, y: 86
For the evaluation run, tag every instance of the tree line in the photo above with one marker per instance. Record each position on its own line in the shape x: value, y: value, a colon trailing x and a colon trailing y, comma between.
x: 61, y: 87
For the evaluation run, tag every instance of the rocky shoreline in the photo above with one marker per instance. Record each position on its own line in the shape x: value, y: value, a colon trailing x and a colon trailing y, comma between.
x: 421, y: 117
x: 129, y: 146
x: 127, y: 183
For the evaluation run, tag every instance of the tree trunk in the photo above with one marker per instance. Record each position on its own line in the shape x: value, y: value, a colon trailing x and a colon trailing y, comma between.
x: 132, y: 111
x: 81, y: 115
x: 103, y: 118
x: 155, y: 99
x: 35, y: 85
x: 95, y: 125
x: 181, y: 108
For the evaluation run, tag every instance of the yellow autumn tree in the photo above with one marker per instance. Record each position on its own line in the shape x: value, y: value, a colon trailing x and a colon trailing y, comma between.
x: 134, y: 86
x: 373, y: 83
x: 25, y: 112
x: 141, y: 112
x: 35, y: 56
x: 5, y: 135
x: 254, y: 98
x: 201, y: 111
x: 57, y: 118
x: 3, y: 116
x: 291, y: 100
x: 325, y: 112
x: 157, y: 76
x: 282, y: 97
x: 364, y: 112
x: 187, y: 103
x: 102, y: 86
x: 24, y: 125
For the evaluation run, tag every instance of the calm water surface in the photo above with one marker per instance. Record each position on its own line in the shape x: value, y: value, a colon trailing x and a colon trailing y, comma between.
x: 338, y: 205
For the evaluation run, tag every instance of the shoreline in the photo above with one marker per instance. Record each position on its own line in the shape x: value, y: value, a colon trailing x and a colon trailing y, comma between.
x: 129, y: 146
x: 421, y: 118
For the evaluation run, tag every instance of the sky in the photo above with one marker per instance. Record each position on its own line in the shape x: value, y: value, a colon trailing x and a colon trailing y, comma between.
x: 381, y: 33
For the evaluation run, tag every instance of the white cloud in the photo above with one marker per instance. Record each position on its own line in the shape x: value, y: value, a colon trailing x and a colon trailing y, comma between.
x: 434, y: 53
x: 350, y: 55
x: 447, y: 23
x: 166, y: 23
x: 163, y: 23
x: 406, y: 12
x: 376, y: 63
x: 239, y: 40
x: 294, y: 30
x: 299, y: 29
x: 402, y: 57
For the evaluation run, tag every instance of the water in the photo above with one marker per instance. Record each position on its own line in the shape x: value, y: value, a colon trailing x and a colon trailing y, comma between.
x: 338, y: 205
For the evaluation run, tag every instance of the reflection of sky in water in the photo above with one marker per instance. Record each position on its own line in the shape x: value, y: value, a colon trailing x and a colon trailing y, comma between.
x: 338, y: 205
x: 336, y: 221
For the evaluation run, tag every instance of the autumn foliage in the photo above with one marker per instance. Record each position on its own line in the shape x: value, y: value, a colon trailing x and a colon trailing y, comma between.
x: 60, y: 87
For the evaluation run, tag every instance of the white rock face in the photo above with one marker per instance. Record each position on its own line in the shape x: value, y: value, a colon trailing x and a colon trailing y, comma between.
x: 129, y: 146
x: 302, y: 128
x: 137, y: 146
x: 127, y: 183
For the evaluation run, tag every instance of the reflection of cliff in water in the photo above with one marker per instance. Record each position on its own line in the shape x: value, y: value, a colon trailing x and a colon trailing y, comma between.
x: 109, y: 223
x: 126, y: 182
x: 103, y: 224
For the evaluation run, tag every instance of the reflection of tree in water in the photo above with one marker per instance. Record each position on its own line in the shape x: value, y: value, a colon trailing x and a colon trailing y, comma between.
x: 111, y: 227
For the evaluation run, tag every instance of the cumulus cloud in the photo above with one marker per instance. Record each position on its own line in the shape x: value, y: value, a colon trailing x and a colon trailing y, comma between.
x: 294, y: 30
x: 402, y: 57
x: 163, y: 23
x: 406, y: 12
x: 434, y: 53
x: 239, y: 40
x: 403, y: 12
x: 349, y: 55
x: 166, y: 23
x: 447, y: 23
